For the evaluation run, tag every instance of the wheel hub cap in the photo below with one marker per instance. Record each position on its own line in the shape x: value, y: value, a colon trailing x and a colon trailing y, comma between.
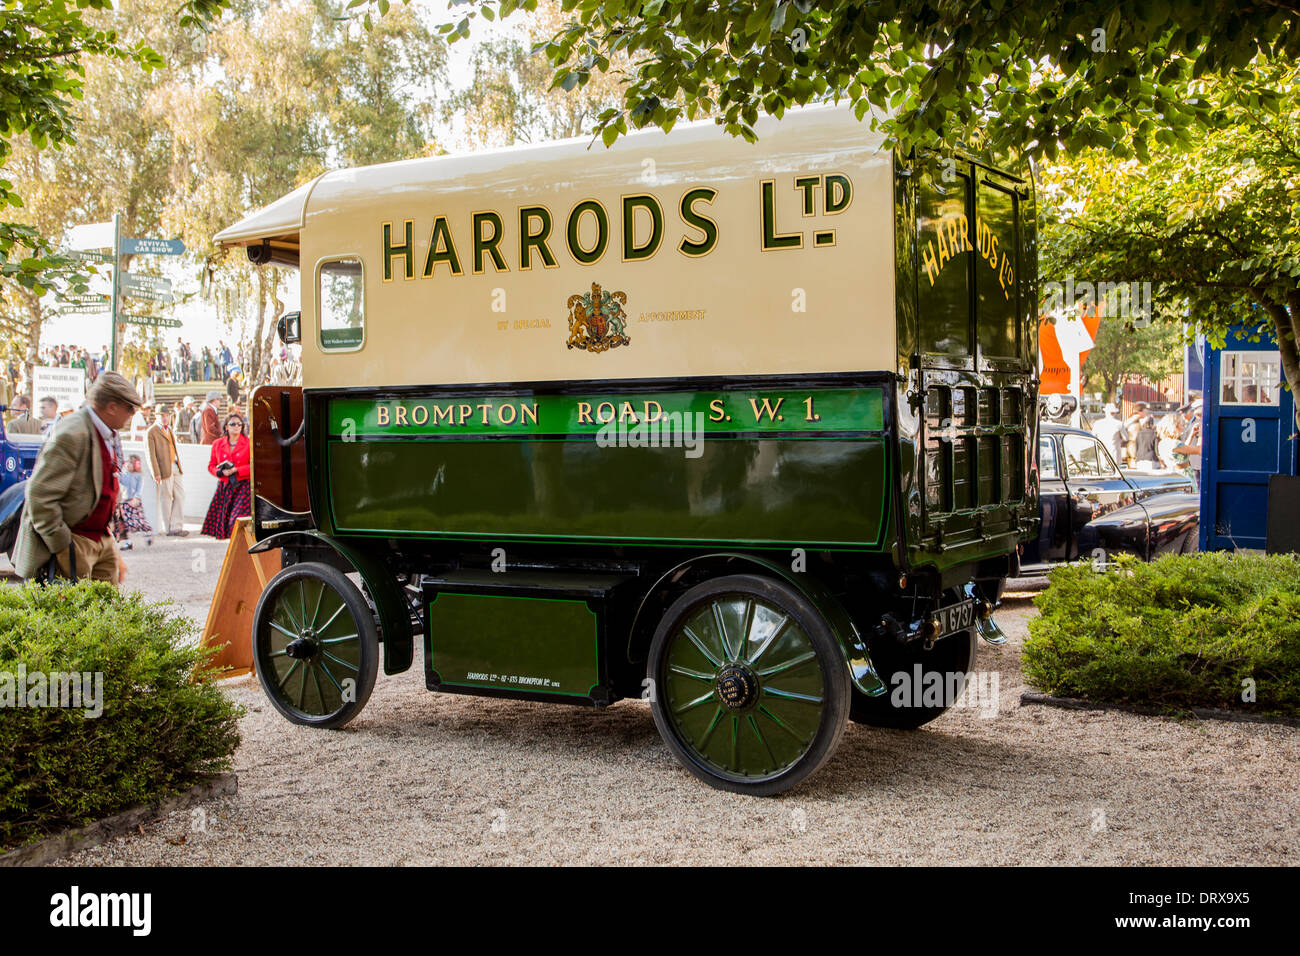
x: 737, y: 687
x: 301, y: 649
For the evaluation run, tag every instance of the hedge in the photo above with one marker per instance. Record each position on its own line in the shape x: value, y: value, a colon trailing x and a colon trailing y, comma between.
x: 1195, y: 630
x: 161, y: 727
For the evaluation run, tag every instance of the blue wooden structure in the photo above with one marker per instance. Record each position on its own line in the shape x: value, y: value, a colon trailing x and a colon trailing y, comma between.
x: 1248, y: 433
x: 16, y: 462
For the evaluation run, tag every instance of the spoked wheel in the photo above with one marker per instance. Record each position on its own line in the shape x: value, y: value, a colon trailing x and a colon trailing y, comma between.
x: 751, y: 690
x: 907, y: 705
x: 315, y: 645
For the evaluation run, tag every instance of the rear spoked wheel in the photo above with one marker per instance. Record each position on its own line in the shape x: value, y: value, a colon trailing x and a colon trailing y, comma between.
x: 751, y: 690
x: 315, y: 645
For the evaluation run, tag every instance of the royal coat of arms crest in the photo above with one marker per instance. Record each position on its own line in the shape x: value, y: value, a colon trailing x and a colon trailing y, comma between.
x: 597, y: 321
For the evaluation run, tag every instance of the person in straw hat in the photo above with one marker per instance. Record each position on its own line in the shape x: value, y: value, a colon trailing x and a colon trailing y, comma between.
x: 67, y: 520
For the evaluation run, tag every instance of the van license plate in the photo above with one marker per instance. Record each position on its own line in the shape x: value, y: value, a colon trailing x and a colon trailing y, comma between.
x: 955, y: 617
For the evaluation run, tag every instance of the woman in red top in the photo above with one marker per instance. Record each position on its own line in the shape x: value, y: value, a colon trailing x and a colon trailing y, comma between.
x: 230, y: 463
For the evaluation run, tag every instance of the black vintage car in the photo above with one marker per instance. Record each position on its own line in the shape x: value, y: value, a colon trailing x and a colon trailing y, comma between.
x: 1092, y: 509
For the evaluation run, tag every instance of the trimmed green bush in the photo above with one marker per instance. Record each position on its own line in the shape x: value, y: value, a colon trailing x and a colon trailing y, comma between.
x: 1193, y: 630
x: 160, y: 728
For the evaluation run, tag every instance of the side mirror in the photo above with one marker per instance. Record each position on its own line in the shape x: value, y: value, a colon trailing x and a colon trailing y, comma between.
x: 289, y: 328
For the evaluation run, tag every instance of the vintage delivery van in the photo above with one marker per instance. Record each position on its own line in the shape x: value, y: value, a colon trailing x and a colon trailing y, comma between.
x: 743, y: 430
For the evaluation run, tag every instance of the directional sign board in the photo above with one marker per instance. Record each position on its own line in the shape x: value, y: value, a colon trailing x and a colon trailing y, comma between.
x: 131, y: 282
x: 87, y: 309
x: 82, y: 255
x: 152, y: 247
x: 88, y: 298
x: 151, y: 295
x: 147, y: 287
x: 96, y: 235
x: 157, y: 321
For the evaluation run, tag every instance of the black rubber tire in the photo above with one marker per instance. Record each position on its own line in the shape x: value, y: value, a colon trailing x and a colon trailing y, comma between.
x: 952, y: 654
x: 368, y: 637
x: 828, y: 655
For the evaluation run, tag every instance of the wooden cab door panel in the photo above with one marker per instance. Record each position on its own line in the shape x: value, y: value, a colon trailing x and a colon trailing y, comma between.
x: 280, y: 501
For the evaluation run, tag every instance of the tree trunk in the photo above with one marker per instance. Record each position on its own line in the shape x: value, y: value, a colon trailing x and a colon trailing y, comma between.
x: 268, y: 343
x: 33, y: 342
x: 254, y: 365
x: 1286, y: 330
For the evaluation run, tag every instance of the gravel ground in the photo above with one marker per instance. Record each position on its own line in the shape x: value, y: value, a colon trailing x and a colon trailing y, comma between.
x: 182, y: 570
x: 421, y: 778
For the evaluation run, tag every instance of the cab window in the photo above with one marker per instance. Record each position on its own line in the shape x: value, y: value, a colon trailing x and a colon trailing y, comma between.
x: 1047, y: 459
x: 341, y: 304
x: 1085, y: 458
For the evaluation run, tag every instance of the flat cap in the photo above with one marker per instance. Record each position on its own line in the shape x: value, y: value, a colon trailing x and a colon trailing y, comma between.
x: 112, y: 386
x: 214, y: 396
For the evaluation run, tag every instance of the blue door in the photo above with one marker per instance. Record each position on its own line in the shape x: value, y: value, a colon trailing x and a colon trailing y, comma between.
x: 1247, y: 435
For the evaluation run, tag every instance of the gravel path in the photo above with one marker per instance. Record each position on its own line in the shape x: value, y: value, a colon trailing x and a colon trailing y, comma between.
x: 422, y: 778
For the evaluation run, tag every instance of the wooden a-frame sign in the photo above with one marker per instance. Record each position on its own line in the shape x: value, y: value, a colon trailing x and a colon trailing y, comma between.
x: 230, y: 617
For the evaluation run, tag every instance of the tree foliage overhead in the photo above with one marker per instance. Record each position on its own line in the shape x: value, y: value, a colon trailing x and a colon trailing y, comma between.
x: 513, y: 99
x: 266, y: 96
x: 1076, y: 74
x: 1213, y: 227
x: 1125, y: 351
x: 42, y: 43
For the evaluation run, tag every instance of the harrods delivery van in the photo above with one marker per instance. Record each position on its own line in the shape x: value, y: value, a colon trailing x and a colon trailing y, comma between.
x: 741, y: 430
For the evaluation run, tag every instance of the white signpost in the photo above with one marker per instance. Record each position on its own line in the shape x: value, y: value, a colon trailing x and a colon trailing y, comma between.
x: 67, y: 385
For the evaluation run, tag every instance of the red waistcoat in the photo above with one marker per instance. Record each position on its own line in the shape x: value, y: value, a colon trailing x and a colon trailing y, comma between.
x: 95, y: 525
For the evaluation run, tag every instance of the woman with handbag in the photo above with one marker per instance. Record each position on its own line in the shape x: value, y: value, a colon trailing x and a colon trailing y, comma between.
x: 230, y: 463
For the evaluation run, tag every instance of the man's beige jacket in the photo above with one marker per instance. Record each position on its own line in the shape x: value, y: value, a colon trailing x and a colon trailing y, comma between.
x: 62, y: 491
x: 162, y: 452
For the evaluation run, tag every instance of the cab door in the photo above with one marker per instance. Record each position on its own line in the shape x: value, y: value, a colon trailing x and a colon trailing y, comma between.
x: 1095, y: 488
x: 279, y: 480
x: 1054, y: 506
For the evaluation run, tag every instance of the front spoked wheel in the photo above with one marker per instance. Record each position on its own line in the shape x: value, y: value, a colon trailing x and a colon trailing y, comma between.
x: 751, y: 689
x: 315, y: 645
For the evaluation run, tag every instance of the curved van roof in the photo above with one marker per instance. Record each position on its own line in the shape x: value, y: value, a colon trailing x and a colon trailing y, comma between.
x: 279, y: 225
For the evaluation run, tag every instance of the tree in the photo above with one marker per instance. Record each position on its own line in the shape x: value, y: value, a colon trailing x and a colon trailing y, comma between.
x: 287, y: 90
x: 120, y: 159
x: 1030, y: 77
x: 41, y: 73
x: 1212, y: 228
x: 374, y: 87
x: 243, y: 132
x: 23, y: 300
x: 513, y: 99
x: 1124, y: 351
x: 263, y: 101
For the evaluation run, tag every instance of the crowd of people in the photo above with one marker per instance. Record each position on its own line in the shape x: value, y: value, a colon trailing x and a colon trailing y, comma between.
x: 89, y: 495
x: 114, y: 410
x: 1143, y: 442
x: 180, y: 364
x: 185, y: 364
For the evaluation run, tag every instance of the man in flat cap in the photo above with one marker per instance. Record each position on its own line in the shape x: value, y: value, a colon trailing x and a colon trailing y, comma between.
x: 73, y: 489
